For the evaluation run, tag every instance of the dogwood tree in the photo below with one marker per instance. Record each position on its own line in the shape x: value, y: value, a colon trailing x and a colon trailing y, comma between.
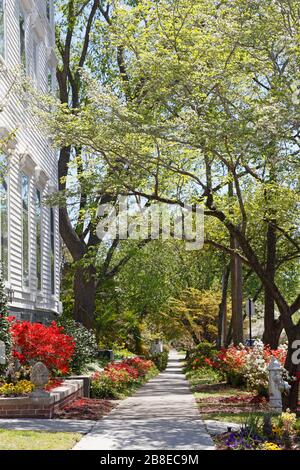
x: 205, y: 111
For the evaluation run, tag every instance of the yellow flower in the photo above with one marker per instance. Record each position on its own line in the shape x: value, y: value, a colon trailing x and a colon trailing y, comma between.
x: 270, y: 446
x: 277, y: 430
x: 288, y: 420
x: 20, y: 388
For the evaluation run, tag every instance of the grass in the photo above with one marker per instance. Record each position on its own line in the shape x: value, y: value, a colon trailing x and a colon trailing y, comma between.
x: 221, y: 392
x: 37, y: 440
x: 210, y: 392
x: 203, y: 376
x: 238, y: 418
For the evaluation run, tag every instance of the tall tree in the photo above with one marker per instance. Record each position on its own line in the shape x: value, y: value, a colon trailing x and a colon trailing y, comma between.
x: 213, y: 103
x: 80, y: 30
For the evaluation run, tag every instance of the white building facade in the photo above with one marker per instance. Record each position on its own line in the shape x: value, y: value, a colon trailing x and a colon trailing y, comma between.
x: 29, y: 242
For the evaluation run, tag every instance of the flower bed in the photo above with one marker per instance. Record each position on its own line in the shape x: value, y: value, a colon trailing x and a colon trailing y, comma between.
x: 21, y: 388
x: 120, y: 379
x: 243, y: 365
x: 41, y: 407
x: 229, y: 401
x: 263, y: 433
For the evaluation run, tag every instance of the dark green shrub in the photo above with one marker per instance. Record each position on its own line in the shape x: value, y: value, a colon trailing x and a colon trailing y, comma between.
x: 206, y: 349
x: 203, y: 376
x: 104, y: 387
x: 86, y: 345
x: 198, y: 356
x: 5, y: 334
x: 160, y: 360
x: 235, y: 380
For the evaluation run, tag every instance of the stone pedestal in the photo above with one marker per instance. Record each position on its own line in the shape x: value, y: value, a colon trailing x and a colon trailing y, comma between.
x: 39, y: 376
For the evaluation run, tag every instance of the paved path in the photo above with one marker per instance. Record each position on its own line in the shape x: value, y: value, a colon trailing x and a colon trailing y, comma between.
x: 161, y: 415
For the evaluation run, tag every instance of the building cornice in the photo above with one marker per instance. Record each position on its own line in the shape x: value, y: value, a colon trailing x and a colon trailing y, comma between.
x: 37, y: 25
x: 27, y: 164
x: 41, y: 177
x: 27, y: 5
x: 52, y: 188
x: 51, y: 57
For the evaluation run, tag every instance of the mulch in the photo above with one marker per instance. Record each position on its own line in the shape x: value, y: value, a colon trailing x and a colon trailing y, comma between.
x: 243, y: 402
x: 86, y: 408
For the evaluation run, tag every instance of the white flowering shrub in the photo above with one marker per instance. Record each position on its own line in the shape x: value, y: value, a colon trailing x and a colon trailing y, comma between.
x: 255, y: 368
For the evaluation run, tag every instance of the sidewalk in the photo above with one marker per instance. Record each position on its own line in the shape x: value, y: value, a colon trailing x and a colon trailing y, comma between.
x: 161, y: 415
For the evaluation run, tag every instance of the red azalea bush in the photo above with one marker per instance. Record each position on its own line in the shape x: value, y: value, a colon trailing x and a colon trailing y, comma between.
x: 36, y: 342
x: 202, y: 355
x: 117, y: 378
x: 120, y: 369
x: 230, y: 361
x: 141, y: 365
x: 248, y: 365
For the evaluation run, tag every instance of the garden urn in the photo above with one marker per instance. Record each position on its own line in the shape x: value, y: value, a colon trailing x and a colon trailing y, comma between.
x: 39, y: 376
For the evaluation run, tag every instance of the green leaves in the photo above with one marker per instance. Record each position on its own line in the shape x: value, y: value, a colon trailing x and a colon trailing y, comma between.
x: 189, y: 101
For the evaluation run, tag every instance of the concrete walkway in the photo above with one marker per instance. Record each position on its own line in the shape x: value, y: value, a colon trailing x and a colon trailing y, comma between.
x: 161, y: 415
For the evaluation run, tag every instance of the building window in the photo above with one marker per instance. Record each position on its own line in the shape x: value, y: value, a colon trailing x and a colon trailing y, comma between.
x: 4, y: 215
x: 48, y: 9
x: 2, y: 38
x: 38, y: 227
x: 52, y: 250
x: 22, y: 39
x: 25, y: 229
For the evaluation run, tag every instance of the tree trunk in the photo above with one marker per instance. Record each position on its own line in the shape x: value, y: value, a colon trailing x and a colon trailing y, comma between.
x: 222, y: 319
x: 84, y: 296
x: 272, y: 332
x: 229, y: 334
x: 237, y: 296
x: 272, y: 327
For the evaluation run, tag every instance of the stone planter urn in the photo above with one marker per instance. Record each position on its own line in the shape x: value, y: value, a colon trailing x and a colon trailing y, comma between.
x: 39, y: 376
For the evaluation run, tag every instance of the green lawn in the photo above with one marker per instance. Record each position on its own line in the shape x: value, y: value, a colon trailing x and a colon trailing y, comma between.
x: 230, y: 417
x: 203, y: 376
x: 37, y: 440
x: 240, y: 417
x: 221, y: 392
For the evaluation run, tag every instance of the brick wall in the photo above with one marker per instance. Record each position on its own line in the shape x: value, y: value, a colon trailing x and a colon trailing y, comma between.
x: 46, y: 407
